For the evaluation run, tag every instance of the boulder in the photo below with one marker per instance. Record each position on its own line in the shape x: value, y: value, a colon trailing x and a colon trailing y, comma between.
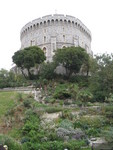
x: 71, y: 133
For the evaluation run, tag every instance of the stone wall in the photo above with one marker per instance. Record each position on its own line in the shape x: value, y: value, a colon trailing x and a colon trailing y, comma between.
x: 55, y: 31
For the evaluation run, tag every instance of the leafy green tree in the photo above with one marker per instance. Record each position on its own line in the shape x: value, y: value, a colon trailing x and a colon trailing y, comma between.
x: 7, y: 79
x: 101, y: 80
x: 72, y: 58
x: 28, y: 58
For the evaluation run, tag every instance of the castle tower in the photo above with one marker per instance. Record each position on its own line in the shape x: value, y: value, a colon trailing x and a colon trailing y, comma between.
x: 55, y: 31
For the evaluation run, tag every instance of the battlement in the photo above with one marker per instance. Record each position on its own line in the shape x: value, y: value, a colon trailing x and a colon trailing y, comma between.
x: 49, y: 19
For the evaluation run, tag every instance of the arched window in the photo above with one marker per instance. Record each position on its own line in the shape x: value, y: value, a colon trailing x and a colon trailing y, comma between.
x: 63, y: 37
x: 48, y: 22
x: 34, y: 26
x: 63, y: 46
x: 37, y: 24
x: 56, y: 20
x: 44, y: 49
x: 31, y: 27
x: 44, y: 22
x: 44, y: 39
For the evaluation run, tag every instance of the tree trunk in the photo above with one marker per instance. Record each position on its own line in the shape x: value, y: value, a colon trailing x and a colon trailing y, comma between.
x: 23, y: 73
x: 29, y: 74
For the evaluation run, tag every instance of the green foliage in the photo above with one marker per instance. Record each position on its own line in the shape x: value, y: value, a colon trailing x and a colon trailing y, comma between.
x: 72, y: 58
x: 93, y: 132
x: 27, y: 103
x: 55, y: 145
x: 84, y: 96
x: 47, y: 70
x: 11, y: 143
x: 79, y: 79
x: 66, y: 124
x: 65, y: 114
x: 28, y: 58
x: 53, y: 109
x: 62, y: 92
x: 108, y: 112
x: 91, y: 125
x: 74, y: 89
x: 7, y: 79
x: 31, y: 125
x: 108, y: 134
x: 19, y: 96
x: 7, y: 100
x: 102, y: 77
x: 62, y: 95
x: 93, y: 121
x: 10, y: 79
x: 110, y: 98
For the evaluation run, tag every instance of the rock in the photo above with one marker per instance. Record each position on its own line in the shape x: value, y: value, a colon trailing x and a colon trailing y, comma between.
x: 71, y: 133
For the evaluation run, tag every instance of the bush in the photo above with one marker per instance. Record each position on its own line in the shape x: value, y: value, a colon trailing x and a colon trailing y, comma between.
x: 10, y: 142
x: 55, y: 145
x: 93, y: 132
x: 65, y: 114
x: 66, y: 124
x: 47, y: 70
x: 53, y: 109
x: 108, y: 134
x: 82, y: 80
x: 27, y: 103
x: 84, y: 96
x: 48, y: 145
x: 62, y: 95
x: 108, y: 111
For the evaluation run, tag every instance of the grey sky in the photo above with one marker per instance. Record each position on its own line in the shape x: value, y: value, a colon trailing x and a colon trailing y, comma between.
x: 97, y: 15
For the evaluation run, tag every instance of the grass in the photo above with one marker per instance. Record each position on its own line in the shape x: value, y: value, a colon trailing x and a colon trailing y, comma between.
x: 7, y: 100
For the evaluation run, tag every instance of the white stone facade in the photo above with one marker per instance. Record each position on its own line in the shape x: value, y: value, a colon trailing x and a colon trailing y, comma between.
x: 55, y: 31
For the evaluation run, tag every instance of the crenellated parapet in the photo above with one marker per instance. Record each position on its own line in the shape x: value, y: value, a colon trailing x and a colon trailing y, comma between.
x: 54, y: 19
x: 55, y: 31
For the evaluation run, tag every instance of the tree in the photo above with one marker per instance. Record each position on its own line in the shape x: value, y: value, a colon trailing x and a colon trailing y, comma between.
x: 101, y: 82
x: 7, y: 78
x: 72, y: 58
x: 28, y: 58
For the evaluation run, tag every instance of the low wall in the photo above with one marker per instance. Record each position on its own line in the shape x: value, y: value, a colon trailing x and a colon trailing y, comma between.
x: 18, y: 89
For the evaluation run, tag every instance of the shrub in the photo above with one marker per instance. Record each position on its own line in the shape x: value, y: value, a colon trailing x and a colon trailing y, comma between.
x: 55, y: 145
x: 93, y: 132
x: 110, y: 98
x: 74, y: 89
x: 62, y: 95
x: 19, y: 97
x: 47, y: 70
x: 53, y: 109
x: 66, y: 124
x: 82, y: 80
x: 108, y: 134
x: 108, y: 111
x: 65, y: 114
x: 10, y: 142
x: 84, y: 96
x: 27, y: 103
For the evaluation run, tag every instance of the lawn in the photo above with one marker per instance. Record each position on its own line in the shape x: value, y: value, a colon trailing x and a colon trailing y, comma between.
x: 7, y: 100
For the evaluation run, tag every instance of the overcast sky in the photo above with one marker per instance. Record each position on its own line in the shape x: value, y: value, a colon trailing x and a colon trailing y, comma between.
x: 97, y: 15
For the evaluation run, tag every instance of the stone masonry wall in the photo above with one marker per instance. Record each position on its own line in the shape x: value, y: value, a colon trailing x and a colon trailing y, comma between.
x: 55, y: 31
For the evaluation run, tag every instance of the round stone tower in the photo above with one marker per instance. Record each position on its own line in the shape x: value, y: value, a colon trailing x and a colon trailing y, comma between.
x: 55, y: 31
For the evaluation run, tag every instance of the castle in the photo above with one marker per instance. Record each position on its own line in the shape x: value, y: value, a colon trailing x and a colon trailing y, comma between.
x: 55, y: 31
